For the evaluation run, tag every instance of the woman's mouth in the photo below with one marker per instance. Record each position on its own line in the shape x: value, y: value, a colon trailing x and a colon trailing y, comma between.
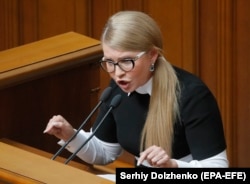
x: 123, y: 84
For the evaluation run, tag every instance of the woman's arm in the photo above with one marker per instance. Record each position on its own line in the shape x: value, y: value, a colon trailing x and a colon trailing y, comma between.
x: 95, y: 151
x: 219, y: 160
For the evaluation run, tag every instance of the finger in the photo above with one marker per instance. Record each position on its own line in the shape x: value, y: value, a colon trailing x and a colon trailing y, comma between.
x: 48, y: 128
x: 51, y: 126
x: 159, y: 161
x: 157, y: 155
x: 142, y: 157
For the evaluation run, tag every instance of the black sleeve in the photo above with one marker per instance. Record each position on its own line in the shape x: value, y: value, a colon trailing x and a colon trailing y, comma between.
x: 202, y: 121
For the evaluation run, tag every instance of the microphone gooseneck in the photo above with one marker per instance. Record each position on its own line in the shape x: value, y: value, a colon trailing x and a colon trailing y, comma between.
x: 104, y: 96
x: 114, y: 103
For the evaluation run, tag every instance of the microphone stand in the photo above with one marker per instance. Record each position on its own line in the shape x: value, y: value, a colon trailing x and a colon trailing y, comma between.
x: 104, y: 97
x: 115, y: 102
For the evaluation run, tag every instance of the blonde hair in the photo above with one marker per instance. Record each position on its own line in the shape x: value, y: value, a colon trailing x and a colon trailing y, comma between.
x: 136, y: 31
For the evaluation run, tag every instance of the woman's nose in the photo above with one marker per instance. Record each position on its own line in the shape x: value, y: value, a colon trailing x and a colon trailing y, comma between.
x: 118, y: 71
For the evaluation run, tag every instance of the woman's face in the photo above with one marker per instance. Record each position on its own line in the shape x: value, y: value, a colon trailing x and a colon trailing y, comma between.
x: 138, y: 76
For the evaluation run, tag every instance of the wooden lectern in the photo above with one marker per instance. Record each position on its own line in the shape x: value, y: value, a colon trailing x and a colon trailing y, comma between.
x: 18, y: 166
x: 57, y: 75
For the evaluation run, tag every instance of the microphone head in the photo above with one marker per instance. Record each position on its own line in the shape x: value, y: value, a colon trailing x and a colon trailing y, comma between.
x: 115, y: 101
x: 105, y: 94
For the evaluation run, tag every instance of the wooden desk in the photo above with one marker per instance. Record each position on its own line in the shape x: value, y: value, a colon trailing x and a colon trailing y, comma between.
x: 20, y: 166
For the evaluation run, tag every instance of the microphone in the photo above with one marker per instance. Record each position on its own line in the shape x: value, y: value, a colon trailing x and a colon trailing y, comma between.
x: 114, y: 103
x: 104, y: 96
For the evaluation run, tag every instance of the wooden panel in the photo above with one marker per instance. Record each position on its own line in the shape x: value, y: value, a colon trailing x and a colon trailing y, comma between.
x: 57, y: 77
x: 27, y: 108
x: 216, y: 58
x: 176, y: 19
x: 8, y: 24
x: 241, y: 83
x: 224, y: 55
x: 25, y: 21
x: 28, y: 31
x: 82, y: 17
x: 133, y: 5
x: 57, y: 20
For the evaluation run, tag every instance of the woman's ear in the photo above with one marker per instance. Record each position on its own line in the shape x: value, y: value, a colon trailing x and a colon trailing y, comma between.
x: 153, y: 55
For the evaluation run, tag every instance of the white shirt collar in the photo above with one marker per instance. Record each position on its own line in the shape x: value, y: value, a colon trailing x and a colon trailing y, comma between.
x: 146, y: 88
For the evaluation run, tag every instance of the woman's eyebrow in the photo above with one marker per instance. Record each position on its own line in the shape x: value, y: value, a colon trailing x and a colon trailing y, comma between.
x: 119, y: 58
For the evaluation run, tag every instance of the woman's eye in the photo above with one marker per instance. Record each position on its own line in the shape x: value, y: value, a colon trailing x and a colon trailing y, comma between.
x: 126, y: 61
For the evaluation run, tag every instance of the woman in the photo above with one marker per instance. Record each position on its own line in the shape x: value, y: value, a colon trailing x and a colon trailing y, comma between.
x: 167, y: 116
